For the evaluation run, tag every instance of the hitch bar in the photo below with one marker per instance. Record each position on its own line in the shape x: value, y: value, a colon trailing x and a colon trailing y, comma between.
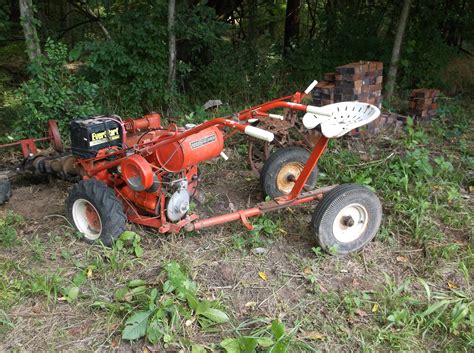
x: 260, y: 209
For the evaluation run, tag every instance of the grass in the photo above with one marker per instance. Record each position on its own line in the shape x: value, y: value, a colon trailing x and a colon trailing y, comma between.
x: 410, y: 290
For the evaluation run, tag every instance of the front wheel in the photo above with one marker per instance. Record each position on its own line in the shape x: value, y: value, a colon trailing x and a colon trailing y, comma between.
x: 347, y: 218
x: 282, y: 169
x: 95, y: 211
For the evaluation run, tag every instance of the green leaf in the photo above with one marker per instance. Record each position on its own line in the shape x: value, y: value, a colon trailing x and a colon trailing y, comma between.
x: 138, y: 251
x: 231, y: 345
x: 75, y: 53
x: 435, y: 307
x: 215, y: 315
x: 120, y: 293
x: 460, y: 311
x: 264, y: 341
x: 427, y: 288
x: 135, y: 326
x: 154, y: 331
x: 202, y: 307
x: 118, y: 244
x: 138, y: 290
x: 193, y: 301
x: 136, y: 283
x: 153, y: 296
x: 128, y: 235
x: 280, y: 347
x: 79, y: 278
x: 72, y: 294
x: 278, y: 329
x: 248, y: 344
x: 198, y: 348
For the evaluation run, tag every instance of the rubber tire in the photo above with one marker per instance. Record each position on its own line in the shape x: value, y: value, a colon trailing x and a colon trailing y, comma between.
x: 274, y: 164
x: 329, y: 207
x: 5, y: 191
x: 109, y: 207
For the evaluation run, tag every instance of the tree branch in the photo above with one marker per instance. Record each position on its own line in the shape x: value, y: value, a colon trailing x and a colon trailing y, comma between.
x: 89, y: 13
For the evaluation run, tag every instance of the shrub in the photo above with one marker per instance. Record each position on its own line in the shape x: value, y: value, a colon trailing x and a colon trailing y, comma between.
x: 53, y: 92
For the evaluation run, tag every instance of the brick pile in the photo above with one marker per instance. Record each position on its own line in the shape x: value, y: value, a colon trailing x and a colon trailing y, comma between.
x: 423, y: 103
x: 361, y: 81
x: 323, y: 93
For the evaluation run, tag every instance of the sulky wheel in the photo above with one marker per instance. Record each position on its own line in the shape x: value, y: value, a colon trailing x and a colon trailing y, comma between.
x: 347, y: 218
x: 95, y: 211
x: 281, y: 170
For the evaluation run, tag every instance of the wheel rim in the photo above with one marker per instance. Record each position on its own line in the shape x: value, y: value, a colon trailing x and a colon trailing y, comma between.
x: 87, y: 219
x: 350, y: 223
x: 287, y: 176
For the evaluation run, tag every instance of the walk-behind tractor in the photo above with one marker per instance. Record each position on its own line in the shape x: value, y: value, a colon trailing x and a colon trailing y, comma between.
x: 147, y: 173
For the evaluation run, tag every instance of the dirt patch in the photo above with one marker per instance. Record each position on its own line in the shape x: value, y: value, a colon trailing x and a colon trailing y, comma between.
x: 38, y: 200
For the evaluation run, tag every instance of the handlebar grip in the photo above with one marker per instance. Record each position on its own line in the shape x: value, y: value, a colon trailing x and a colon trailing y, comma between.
x: 259, y: 133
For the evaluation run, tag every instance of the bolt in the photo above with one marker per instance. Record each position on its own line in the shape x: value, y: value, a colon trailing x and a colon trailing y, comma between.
x: 348, y: 221
x: 291, y: 178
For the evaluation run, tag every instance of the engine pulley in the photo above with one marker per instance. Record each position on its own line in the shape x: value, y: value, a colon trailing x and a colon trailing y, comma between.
x: 178, y: 205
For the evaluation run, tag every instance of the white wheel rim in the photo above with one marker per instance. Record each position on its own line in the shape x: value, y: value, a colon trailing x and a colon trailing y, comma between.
x: 81, y: 213
x: 350, y: 223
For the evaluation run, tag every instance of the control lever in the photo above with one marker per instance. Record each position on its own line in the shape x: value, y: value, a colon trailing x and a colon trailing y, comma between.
x: 310, y: 87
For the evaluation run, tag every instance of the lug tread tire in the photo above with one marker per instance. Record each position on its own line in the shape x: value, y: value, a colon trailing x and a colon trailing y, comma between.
x: 329, y: 207
x: 110, y: 208
x: 5, y: 191
x: 275, y: 162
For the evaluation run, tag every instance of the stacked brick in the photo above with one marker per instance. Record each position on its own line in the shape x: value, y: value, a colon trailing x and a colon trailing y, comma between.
x: 361, y: 81
x: 423, y: 103
x: 323, y: 93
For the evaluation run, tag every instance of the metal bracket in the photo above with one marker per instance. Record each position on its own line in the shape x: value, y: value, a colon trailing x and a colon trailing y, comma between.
x: 245, y: 221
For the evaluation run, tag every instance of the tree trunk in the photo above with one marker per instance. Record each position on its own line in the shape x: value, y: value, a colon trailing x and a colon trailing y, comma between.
x: 392, y: 71
x: 252, y: 31
x: 29, y: 29
x: 331, y: 21
x: 172, y: 45
x: 292, y: 23
x: 14, y: 11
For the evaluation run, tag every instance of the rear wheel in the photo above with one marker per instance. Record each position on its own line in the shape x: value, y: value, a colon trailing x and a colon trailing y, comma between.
x: 95, y: 211
x: 347, y: 218
x: 281, y: 170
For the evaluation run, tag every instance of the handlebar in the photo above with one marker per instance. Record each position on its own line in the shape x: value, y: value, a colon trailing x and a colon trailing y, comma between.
x: 259, y: 133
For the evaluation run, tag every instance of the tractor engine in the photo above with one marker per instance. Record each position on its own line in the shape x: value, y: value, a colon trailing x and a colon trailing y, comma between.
x: 159, y: 183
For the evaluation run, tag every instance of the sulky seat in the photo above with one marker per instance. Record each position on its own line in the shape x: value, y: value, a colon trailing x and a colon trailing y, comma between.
x: 339, y: 118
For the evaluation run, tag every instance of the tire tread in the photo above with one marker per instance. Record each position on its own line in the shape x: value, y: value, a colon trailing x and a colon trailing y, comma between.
x: 108, y: 205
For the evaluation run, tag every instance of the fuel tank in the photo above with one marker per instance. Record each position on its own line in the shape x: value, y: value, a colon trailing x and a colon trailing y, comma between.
x: 202, y: 146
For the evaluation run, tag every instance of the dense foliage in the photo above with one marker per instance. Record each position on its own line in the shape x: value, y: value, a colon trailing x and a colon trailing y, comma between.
x: 238, y: 51
x: 53, y: 92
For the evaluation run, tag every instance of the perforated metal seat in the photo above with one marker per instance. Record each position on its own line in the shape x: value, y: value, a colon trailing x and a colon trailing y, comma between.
x: 339, y: 118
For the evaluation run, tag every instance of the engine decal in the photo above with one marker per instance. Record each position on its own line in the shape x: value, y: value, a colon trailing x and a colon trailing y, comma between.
x: 204, y: 141
x: 104, y: 136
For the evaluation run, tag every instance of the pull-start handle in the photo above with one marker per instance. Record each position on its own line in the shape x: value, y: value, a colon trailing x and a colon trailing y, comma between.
x: 259, y: 133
